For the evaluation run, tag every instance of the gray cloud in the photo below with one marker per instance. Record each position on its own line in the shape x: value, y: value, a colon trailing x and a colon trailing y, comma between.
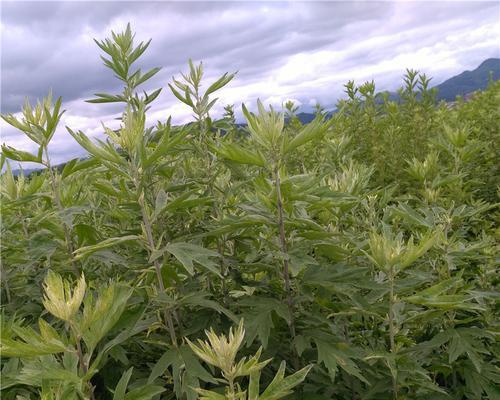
x: 47, y: 44
x: 300, y: 50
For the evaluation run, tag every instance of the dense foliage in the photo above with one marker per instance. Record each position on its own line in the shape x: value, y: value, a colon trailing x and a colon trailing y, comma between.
x: 359, y: 249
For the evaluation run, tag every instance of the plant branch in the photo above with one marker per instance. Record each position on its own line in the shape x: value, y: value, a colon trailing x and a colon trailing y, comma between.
x: 167, y: 315
x: 81, y: 359
x: 284, y: 250
x: 67, y: 230
x: 392, y: 328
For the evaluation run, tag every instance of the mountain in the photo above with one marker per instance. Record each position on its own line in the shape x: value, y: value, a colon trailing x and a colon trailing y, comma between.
x: 459, y: 85
x: 25, y: 171
x: 305, y: 118
x: 469, y: 81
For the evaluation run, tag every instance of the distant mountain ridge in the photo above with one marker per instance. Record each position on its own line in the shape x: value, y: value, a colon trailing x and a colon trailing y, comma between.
x: 469, y: 81
x: 459, y: 85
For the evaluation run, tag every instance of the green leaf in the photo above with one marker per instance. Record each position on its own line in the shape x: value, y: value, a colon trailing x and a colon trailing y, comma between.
x: 325, y: 356
x: 410, y: 215
x: 150, y: 97
x: 22, y: 126
x: 19, y: 155
x: 103, y: 151
x: 101, y: 315
x: 209, y: 395
x: 462, y: 341
x: 465, y: 340
x: 138, y: 51
x: 10, y: 371
x: 160, y: 203
x: 134, y: 325
x: 107, y: 187
x: 200, y: 299
x: 441, y: 287
x: 107, y: 98
x: 236, y: 153
x: 165, y: 361
x: 188, y: 254
x: 332, y: 251
x: 333, y: 355
x: 186, y: 201
x: 413, y: 253
x: 311, y: 131
x: 76, y: 165
x: 167, y: 143
x: 281, y: 386
x: 447, y: 302
x: 181, y: 359
x: 299, y: 260
x: 37, y: 370
x: 435, y: 296
x: 221, y: 82
x: 105, y: 244
x: 185, y: 100
x: 30, y: 343
x: 258, y: 315
x: 52, y: 119
x: 121, y: 387
x: 254, y: 385
x: 147, y: 75
x: 144, y: 392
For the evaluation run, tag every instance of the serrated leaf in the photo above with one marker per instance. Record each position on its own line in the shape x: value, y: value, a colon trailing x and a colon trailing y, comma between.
x: 282, y: 386
x: 188, y: 254
x: 333, y: 356
x: 101, y: 315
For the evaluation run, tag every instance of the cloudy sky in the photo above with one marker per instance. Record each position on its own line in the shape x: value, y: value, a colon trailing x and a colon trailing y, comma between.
x: 304, y: 51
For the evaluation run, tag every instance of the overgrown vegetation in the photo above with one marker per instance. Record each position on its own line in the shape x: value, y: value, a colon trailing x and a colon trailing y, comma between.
x: 356, y: 254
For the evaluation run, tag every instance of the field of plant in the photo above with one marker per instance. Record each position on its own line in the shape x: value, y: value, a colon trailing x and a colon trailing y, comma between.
x: 354, y: 257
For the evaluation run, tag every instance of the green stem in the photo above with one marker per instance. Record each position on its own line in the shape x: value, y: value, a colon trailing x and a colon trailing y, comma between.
x: 81, y: 360
x: 23, y: 225
x: 348, y: 341
x: 284, y: 250
x: 149, y: 236
x: 3, y: 279
x: 392, y: 328
x: 231, y: 392
x: 67, y: 230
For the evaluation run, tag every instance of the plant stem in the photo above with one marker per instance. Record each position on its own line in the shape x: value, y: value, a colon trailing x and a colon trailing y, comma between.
x: 284, y: 250
x: 350, y: 378
x: 231, y: 393
x: 149, y: 234
x: 391, y: 328
x: 3, y: 279
x: 23, y: 225
x: 67, y: 231
x: 81, y: 359
x: 223, y: 271
x: 220, y: 241
x: 391, y: 315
